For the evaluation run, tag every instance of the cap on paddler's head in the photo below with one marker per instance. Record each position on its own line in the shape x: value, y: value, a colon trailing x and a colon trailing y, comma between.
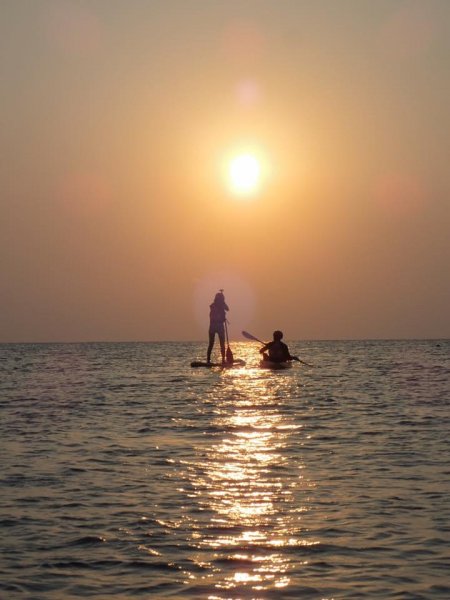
x: 277, y: 335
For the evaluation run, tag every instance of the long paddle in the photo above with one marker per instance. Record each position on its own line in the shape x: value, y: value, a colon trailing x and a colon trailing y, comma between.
x: 229, y: 354
x: 249, y: 336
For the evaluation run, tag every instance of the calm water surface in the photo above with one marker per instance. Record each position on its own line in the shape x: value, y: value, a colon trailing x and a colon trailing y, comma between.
x: 127, y: 474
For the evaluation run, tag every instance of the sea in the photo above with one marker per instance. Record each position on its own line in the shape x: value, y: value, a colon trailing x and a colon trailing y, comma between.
x: 125, y: 473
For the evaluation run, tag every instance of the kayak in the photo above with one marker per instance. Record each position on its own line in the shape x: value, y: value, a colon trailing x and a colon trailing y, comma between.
x: 238, y: 362
x: 275, y: 366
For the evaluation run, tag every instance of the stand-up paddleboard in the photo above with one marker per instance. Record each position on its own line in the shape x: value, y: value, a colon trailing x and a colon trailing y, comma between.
x: 237, y: 362
x: 275, y: 366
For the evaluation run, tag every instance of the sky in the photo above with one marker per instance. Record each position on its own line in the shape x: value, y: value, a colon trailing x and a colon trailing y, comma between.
x: 120, y: 118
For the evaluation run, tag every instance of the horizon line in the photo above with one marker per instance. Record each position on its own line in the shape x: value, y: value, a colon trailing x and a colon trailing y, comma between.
x: 202, y: 341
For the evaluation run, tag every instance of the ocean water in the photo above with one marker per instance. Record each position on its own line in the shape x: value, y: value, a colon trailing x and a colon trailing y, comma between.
x: 126, y: 474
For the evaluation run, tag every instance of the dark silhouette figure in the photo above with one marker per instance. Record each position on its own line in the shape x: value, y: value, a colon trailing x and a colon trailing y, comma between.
x: 276, y: 351
x: 217, y: 318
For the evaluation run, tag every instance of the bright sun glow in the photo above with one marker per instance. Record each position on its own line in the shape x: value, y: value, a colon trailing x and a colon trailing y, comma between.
x: 245, y: 174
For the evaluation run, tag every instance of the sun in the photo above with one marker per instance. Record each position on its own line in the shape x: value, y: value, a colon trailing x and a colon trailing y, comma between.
x: 245, y: 174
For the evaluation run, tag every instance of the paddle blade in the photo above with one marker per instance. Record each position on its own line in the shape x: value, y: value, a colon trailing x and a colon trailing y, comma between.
x: 302, y: 361
x: 229, y: 355
x: 249, y: 336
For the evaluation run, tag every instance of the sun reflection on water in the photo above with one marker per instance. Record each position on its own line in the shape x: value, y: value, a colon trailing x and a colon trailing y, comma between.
x: 245, y: 489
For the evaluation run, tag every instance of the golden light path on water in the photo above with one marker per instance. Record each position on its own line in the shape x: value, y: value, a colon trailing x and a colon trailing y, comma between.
x: 247, y: 487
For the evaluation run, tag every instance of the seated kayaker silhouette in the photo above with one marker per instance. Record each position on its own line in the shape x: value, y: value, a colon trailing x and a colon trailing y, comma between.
x: 217, y: 318
x: 276, y: 351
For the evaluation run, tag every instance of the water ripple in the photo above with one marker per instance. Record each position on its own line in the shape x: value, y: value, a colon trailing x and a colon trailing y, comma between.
x: 126, y: 473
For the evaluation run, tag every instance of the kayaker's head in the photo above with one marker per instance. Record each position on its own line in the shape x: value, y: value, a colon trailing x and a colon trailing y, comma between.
x: 277, y: 335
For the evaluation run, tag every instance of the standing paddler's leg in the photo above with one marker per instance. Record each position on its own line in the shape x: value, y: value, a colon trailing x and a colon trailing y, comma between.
x: 210, y: 346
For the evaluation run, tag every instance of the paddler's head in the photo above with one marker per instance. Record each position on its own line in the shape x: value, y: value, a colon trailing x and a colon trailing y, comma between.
x: 277, y: 335
x: 219, y: 298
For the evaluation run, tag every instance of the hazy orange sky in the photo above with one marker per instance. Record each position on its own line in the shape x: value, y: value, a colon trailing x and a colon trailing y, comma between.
x: 118, y: 121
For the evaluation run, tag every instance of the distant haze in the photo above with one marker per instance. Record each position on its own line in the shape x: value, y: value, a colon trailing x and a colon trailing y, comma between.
x: 118, y: 119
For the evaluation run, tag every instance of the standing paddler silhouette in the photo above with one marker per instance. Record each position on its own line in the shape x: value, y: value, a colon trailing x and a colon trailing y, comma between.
x: 217, y: 325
